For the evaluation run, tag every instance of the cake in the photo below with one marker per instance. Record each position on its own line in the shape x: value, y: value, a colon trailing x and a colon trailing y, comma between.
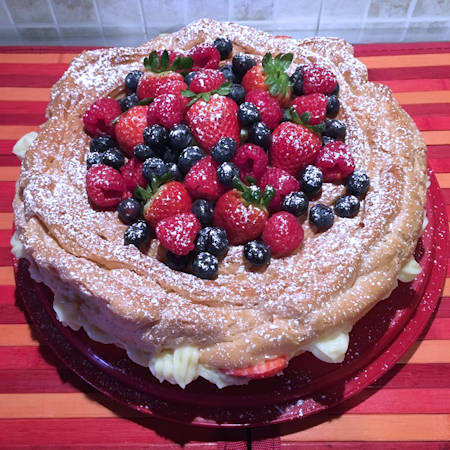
x: 232, y: 313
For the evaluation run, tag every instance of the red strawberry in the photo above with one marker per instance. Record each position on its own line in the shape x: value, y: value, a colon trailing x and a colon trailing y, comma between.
x: 211, y: 121
x: 242, y: 212
x: 151, y: 82
x: 251, y: 160
x: 335, y: 161
x: 105, y: 186
x: 130, y: 127
x: 314, y: 104
x: 265, y: 369
x: 98, y: 117
x: 318, y: 79
x: 206, y: 80
x: 177, y: 233
x: 201, y: 180
x: 171, y: 87
x: 132, y: 174
x: 166, y: 110
x: 293, y: 147
x: 164, y: 201
x: 283, y: 182
x: 282, y: 233
x: 205, y: 57
x: 269, y: 108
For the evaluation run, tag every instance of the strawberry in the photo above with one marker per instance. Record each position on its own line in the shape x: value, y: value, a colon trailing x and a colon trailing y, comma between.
x: 242, y: 212
x: 282, y: 181
x: 271, y: 76
x: 205, y: 56
x: 293, y: 147
x: 269, y: 108
x: 251, y: 160
x: 206, y: 80
x: 130, y: 127
x: 152, y: 84
x: 212, y: 120
x: 170, y: 87
x: 201, y: 180
x: 132, y: 174
x: 265, y: 369
x: 177, y: 233
x: 318, y: 79
x: 335, y: 161
x: 105, y: 186
x: 166, y: 110
x: 98, y: 117
x: 314, y: 104
x: 282, y: 233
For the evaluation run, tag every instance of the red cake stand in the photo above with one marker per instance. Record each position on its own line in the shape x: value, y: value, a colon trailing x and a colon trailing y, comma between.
x: 307, y: 385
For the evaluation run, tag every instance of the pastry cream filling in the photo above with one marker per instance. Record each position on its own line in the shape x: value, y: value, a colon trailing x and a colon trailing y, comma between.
x: 21, y: 146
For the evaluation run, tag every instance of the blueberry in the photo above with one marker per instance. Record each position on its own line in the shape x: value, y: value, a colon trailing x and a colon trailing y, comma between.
x: 225, y: 47
x: 129, y: 210
x: 169, y: 155
x: 137, y: 233
x: 243, y: 135
x: 297, y: 81
x: 132, y: 80
x: 129, y: 101
x: 155, y: 136
x: 173, y: 169
x: 333, y: 106
x: 296, y: 203
x: 242, y: 63
x: 237, y: 93
x: 205, y: 265
x: 188, y: 78
x: 93, y: 158
x: 335, y: 129
x: 321, y: 216
x: 224, y: 150
x: 296, y: 75
x: 358, y: 183
x: 114, y: 158
x: 257, y: 253
x: 311, y: 180
x: 204, y: 211
x: 347, y: 206
x: 143, y: 152
x: 212, y: 240
x: 226, y: 172
x: 259, y: 134
x: 177, y: 262
x: 179, y: 136
x: 326, y: 140
x: 248, y: 114
x: 102, y: 143
x: 336, y: 90
x: 228, y: 73
x: 154, y: 167
x: 189, y: 156
x: 286, y: 115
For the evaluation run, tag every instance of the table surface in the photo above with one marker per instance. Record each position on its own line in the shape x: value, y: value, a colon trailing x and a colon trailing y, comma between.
x: 43, y: 405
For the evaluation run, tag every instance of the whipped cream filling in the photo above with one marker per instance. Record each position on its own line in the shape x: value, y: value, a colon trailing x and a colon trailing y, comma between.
x: 21, y: 146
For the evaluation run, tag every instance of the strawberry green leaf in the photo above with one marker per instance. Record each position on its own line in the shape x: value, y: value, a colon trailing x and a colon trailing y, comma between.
x: 145, y: 101
x: 225, y: 88
x: 188, y: 93
x: 250, y: 180
x: 114, y: 121
x: 268, y: 195
x: 164, y: 61
x: 305, y: 117
x: 304, y: 120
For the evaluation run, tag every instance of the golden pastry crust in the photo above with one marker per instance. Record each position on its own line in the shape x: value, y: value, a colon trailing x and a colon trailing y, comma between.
x: 244, y: 316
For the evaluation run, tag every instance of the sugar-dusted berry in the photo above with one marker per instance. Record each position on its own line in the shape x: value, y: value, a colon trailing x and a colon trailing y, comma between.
x: 105, y: 186
x: 98, y: 117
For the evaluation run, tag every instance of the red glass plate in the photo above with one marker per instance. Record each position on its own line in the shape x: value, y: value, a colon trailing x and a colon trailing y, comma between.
x: 307, y: 386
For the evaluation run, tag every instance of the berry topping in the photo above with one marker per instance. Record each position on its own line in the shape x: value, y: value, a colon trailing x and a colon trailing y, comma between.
x: 129, y: 210
x: 282, y: 233
x: 358, y: 183
x: 237, y: 93
x: 143, y: 152
x: 114, y: 158
x: 259, y: 134
x: 204, y: 211
x: 335, y: 161
x: 180, y: 137
x: 205, y: 266
x: 177, y: 233
x: 282, y: 181
x: 150, y: 83
x: 333, y: 106
x: 224, y: 46
x: 105, y: 186
x: 251, y: 160
x: 189, y: 77
x: 169, y: 155
x: 130, y: 127
x: 257, y: 253
x: 93, y: 158
x: 132, y: 174
x: 318, y: 79
x: 295, y: 203
x: 313, y: 104
x: 224, y: 150
x: 248, y: 113
x: 188, y: 157
x: 212, y: 240
x: 137, y: 233
x: 228, y: 73
x: 268, y: 107
x: 170, y: 87
x: 154, y: 167
x: 201, y: 180
x: 129, y: 102
x: 174, y: 171
x: 242, y: 63
x: 132, y: 80
x: 347, y: 206
x: 296, y: 80
x: 321, y: 216
x: 205, y: 56
x: 265, y: 369
x: 226, y: 173
x: 335, y: 129
x: 177, y: 262
x: 156, y: 136
x: 102, y: 143
x: 206, y: 80
x: 98, y: 117
x: 166, y: 110
x: 311, y: 180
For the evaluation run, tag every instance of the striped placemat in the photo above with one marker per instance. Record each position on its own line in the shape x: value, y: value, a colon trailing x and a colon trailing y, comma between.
x: 43, y: 405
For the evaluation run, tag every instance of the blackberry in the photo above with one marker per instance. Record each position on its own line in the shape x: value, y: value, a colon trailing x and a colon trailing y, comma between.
x: 188, y: 157
x: 154, y: 167
x: 156, y: 136
x: 129, y: 210
x: 225, y: 47
x: 177, y: 262
x: 242, y: 63
x: 132, y: 80
x: 129, y: 101
x: 188, y: 78
x: 102, y: 143
x: 333, y: 106
x: 226, y: 172
x: 347, y: 206
x: 93, y: 158
x: 248, y: 114
x: 321, y: 216
x: 143, y: 152
x: 137, y: 233
x: 179, y: 137
x: 257, y: 253
x: 224, y: 150
x: 335, y: 129
x: 297, y: 81
x: 296, y: 203
x: 311, y: 180
x: 205, y: 265
x: 358, y: 183
x: 237, y: 93
x: 228, y: 73
x: 212, y: 240
x: 204, y: 211
x: 259, y: 134
x: 114, y: 158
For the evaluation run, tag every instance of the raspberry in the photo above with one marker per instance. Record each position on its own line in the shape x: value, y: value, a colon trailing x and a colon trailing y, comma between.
x: 269, y: 108
x: 105, y: 186
x: 282, y: 181
x: 166, y: 110
x: 205, y: 57
x: 132, y: 174
x: 318, y: 79
x: 314, y: 104
x: 170, y: 87
x: 335, y: 161
x: 177, y: 233
x: 206, y: 80
x: 130, y: 127
x: 251, y: 160
x: 282, y: 233
x: 98, y: 117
